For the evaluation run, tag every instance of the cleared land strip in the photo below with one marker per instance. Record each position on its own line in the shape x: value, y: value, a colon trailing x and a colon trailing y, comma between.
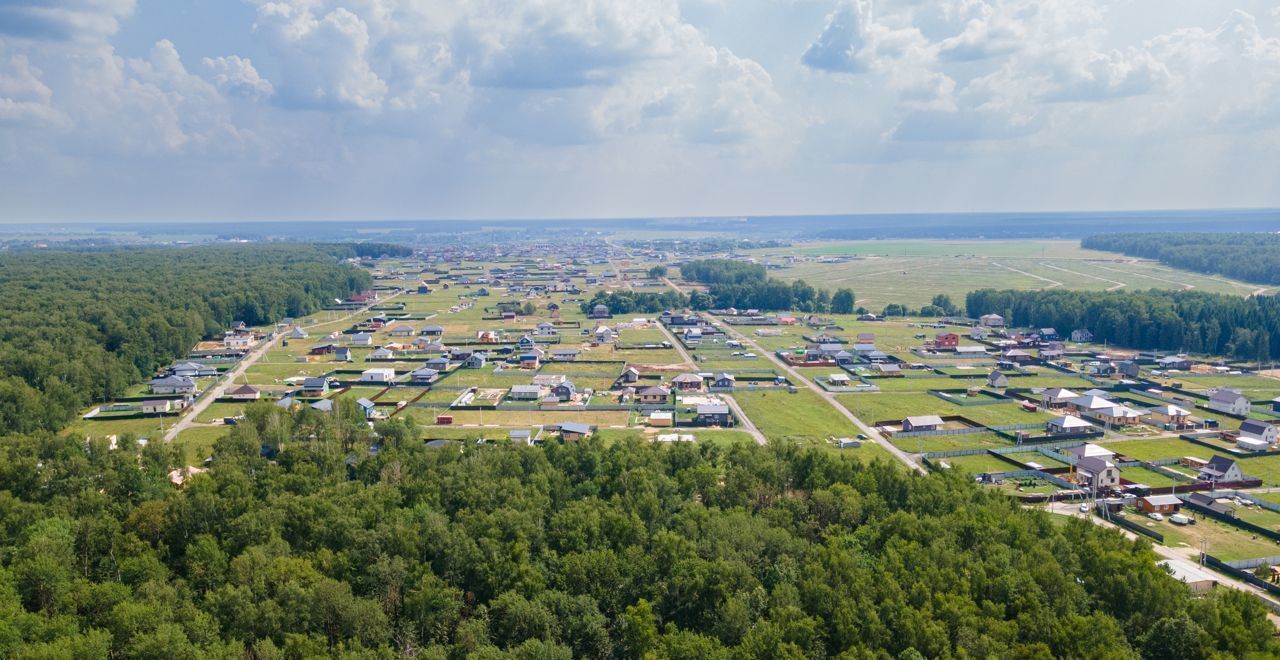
x: 1052, y: 283
x: 1118, y: 285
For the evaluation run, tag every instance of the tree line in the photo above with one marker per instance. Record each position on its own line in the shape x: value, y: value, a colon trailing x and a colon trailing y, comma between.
x: 629, y: 301
x: 80, y: 327
x: 1192, y: 321
x: 743, y: 285
x: 583, y: 550
x: 1246, y: 256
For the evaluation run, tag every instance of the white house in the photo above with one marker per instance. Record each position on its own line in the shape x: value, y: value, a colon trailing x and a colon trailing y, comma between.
x: 1260, y: 431
x: 991, y: 320
x: 378, y: 375
x: 1229, y: 401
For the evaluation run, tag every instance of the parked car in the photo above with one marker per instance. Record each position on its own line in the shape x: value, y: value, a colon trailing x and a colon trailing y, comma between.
x: 1155, y: 516
x: 1179, y: 519
x: 1084, y: 507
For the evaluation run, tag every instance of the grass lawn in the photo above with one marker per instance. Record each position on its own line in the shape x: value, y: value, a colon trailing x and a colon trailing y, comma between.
x: 144, y: 427
x: 526, y: 418
x: 219, y: 410
x: 1221, y: 540
x: 977, y: 464
x: 1141, y: 475
x: 802, y: 416
x: 1157, y: 449
x: 197, y: 442
x: 885, y: 406
x: 936, y: 443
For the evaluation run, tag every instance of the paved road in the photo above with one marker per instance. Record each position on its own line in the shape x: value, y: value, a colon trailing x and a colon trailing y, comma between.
x: 747, y: 425
x: 229, y: 378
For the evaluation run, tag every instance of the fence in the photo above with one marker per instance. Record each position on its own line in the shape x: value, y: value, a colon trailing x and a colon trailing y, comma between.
x: 1132, y: 526
x: 1232, y: 520
x: 1246, y: 576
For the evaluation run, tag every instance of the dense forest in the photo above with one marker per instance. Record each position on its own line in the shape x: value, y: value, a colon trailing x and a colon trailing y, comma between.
x: 1249, y: 257
x: 591, y: 550
x: 748, y: 286
x: 1193, y: 321
x: 78, y: 327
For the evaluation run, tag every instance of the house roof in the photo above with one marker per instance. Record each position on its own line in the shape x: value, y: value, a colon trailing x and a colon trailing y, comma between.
x: 364, y: 403
x: 173, y: 381
x: 1226, y: 395
x: 244, y: 389
x: 323, y: 405
x: 1093, y: 464
x: 315, y: 383
x: 687, y: 378
x: 1219, y: 465
x: 526, y: 389
x: 575, y: 427
x: 654, y: 391
x: 1089, y: 449
x: 1071, y: 422
x: 1059, y: 393
x: 1162, y: 500
x: 1092, y: 403
x: 713, y: 409
x: 923, y: 420
x: 1172, y: 411
x: 1254, y: 427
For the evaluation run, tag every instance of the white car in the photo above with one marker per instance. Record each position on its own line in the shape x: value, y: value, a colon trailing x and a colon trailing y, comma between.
x: 1084, y: 507
x: 1155, y: 516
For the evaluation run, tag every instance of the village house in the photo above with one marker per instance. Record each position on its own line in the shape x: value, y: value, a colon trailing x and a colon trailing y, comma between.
x: 564, y: 391
x: 692, y: 336
x: 653, y: 395
x: 361, y: 339
x: 1056, y: 397
x: 997, y: 379
x: 1162, y: 504
x: 1090, y: 450
x: 1174, y: 363
x: 378, y: 375
x: 1229, y: 401
x: 1097, y: 473
x: 1081, y: 336
x: 600, y: 312
x: 945, y: 341
x: 1017, y: 356
x: 889, y: 369
x: 1170, y: 415
x: 244, y: 393
x: 979, y: 333
x: 172, y: 385
x: 725, y: 381
x: 1067, y: 424
x: 487, y: 336
x: 402, y: 331
x: 437, y: 363
x: 991, y: 320
x: 630, y: 375
x: 475, y: 361
x: 1221, y: 469
x: 571, y: 431
x: 432, y: 331
x: 156, y: 406
x: 605, y: 335
x: 922, y: 423
x: 687, y: 382
x: 382, y: 353
x: 312, y: 387
x: 423, y: 376
x: 323, y: 405
x: 342, y: 354
x: 564, y: 354
x: 545, y: 329
x: 192, y: 370
x: 1260, y: 431
x: 661, y: 418
x: 525, y: 392
x: 529, y: 360
x: 839, y: 380
x: 322, y: 349
x: 713, y: 414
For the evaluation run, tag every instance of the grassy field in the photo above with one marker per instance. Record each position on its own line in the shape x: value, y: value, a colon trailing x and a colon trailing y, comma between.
x: 881, y: 406
x: 197, y: 442
x: 1221, y: 540
x: 912, y: 272
x: 803, y: 416
x: 978, y: 464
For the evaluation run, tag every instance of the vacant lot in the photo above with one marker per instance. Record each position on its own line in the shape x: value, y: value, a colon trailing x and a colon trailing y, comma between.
x: 803, y: 416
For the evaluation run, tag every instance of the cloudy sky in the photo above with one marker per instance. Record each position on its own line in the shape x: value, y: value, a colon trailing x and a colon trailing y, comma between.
x: 350, y: 109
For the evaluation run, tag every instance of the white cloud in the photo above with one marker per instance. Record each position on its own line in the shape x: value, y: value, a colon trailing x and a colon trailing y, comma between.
x: 24, y: 98
x: 236, y: 75
x: 324, y: 56
x: 64, y: 19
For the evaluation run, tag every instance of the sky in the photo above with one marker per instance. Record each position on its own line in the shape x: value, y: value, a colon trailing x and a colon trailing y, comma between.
x: 177, y: 110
